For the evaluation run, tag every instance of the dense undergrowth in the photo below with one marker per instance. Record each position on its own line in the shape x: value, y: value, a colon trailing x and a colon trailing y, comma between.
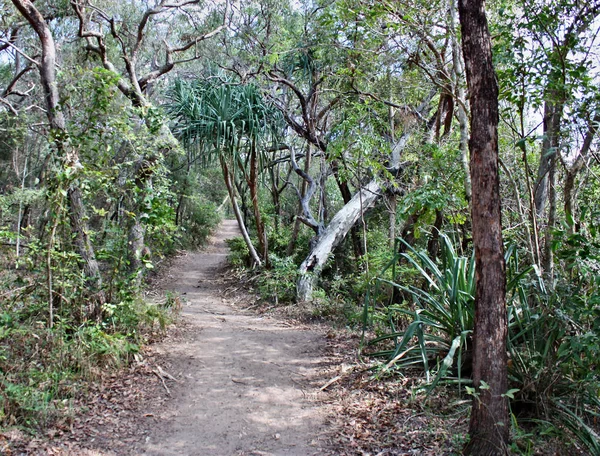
x: 552, y: 347
x: 48, y: 356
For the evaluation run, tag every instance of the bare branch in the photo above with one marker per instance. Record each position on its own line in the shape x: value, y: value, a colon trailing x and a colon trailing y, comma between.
x: 10, y: 107
x: 11, y: 45
x: 13, y: 38
x: 11, y: 85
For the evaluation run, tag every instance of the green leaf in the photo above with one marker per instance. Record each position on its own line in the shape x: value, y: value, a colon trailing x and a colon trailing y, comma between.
x: 511, y: 393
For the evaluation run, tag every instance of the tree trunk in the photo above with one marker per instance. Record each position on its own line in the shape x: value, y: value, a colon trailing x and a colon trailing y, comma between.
x: 303, y: 206
x: 338, y: 228
x: 253, y: 187
x: 552, y: 118
x: 571, y: 173
x: 548, y: 252
x: 86, y: 252
x: 238, y: 215
x: 490, y: 424
x: 461, y: 112
x: 136, y: 244
x: 70, y: 157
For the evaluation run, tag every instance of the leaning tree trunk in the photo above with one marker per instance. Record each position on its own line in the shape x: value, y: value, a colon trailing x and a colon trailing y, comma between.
x: 238, y: 214
x: 69, y: 156
x: 490, y: 424
x: 338, y: 228
x: 340, y: 224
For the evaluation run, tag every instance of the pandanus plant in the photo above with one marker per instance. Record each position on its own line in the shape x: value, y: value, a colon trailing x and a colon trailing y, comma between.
x: 440, y: 315
x: 232, y: 124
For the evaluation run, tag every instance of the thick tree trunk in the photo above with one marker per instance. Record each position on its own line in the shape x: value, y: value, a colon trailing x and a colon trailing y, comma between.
x: 70, y: 157
x: 335, y: 232
x: 490, y: 424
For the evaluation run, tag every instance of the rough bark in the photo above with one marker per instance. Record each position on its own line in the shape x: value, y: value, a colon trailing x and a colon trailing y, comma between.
x: 489, y: 425
x: 69, y: 156
x: 335, y: 232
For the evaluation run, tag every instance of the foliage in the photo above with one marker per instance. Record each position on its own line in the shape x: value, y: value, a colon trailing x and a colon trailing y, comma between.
x: 42, y: 369
x: 553, y: 345
x: 440, y: 315
x: 212, y: 118
x: 278, y: 284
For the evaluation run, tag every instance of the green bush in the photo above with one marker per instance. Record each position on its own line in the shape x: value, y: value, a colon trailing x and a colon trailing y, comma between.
x: 278, y: 284
x: 553, y: 343
x: 201, y: 218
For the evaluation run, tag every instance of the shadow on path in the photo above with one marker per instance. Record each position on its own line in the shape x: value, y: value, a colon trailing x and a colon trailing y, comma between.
x: 243, y: 381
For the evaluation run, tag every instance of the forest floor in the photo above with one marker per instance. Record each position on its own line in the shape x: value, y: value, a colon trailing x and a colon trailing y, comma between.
x: 231, y: 378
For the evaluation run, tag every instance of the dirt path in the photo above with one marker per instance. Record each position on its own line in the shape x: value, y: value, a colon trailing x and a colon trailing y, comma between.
x: 244, y: 382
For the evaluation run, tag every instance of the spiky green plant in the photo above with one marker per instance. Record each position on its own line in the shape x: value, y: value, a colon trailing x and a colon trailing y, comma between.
x: 553, y: 350
x: 440, y: 314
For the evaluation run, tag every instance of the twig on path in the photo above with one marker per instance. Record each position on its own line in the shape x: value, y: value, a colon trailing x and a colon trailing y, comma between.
x: 163, y: 382
x: 166, y: 374
x: 162, y: 374
x: 329, y: 383
x: 345, y: 369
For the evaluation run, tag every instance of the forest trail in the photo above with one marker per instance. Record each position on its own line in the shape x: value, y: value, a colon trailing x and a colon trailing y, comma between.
x: 244, y: 381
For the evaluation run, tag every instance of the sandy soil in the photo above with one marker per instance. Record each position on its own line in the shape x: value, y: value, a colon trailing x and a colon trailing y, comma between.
x: 244, y: 384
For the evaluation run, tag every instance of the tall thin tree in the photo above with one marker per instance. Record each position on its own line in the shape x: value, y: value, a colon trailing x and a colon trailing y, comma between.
x: 489, y: 425
x: 69, y: 155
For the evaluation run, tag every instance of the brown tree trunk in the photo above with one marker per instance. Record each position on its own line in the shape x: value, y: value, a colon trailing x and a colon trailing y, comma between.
x: 238, y: 215
x: 490, y: 424
x: 260, y: 227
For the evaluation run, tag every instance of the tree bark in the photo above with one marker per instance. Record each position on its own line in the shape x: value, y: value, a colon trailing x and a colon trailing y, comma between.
x: 338, y: 228
x: 253, y: 187
x: 461, y: 112
x: 489, y: 426
x: 553, y: 111
x: 572, y: 172
x: 303, y: 206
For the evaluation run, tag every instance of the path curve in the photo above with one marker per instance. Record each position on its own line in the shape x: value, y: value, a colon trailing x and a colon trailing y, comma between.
x: 244, y: 381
